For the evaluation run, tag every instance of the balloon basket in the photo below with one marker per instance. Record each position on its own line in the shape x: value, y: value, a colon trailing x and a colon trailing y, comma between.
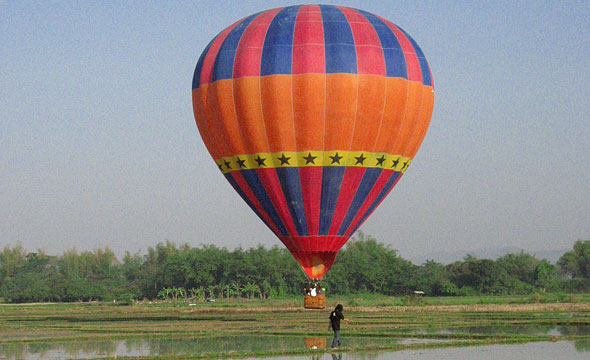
x: 315, y: 342
x: 315, y: 302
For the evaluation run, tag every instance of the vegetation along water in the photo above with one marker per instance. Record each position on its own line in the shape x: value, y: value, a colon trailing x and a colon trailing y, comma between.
x: 197, y: 273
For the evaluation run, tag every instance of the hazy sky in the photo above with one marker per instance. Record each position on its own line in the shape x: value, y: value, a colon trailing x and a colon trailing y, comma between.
x: 98, y: 145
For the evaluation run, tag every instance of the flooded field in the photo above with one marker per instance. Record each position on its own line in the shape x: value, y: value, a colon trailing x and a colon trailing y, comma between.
x: 562, y: 330
x: 172, y: 347
x: 83, y: 331
x: 530, y: 351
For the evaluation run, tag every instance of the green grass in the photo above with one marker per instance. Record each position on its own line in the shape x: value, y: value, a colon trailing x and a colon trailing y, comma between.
x: 377, y: 300
x: 262, y: 328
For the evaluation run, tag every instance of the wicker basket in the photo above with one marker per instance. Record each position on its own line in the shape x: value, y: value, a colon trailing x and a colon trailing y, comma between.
x: 315, y: 302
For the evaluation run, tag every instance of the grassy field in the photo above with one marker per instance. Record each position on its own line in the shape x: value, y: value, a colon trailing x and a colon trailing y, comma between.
x: 242, y: 328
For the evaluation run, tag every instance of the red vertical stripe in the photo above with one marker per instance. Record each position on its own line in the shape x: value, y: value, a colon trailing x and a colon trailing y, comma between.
x: 272, y: 186
x: 209, y: 61
x: 308, y: 41
x: 249, y: 52
x: 412, y: 63
x: 311, y: 188
x: 254, y: 201
x: 369, y: 53
x: 350, y: 183
x: 379, y: 185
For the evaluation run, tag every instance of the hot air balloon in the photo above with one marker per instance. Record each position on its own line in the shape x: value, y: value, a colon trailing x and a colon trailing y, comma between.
x: 313, y: 113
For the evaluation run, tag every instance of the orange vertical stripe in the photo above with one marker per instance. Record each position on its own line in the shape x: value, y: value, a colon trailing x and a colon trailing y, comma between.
x: 371, y: 93
x: 309, y: 105
x: 341, y: 98
x: 277, y: 108
x: 202, y: 123
x: 249, y: 113
x: 410, y: 118
x: 423, y: 121
x: 225, y: 123
x: 393, y: 114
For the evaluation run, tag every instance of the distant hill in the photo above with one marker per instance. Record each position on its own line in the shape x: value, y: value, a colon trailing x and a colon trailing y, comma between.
x: 445, y: 257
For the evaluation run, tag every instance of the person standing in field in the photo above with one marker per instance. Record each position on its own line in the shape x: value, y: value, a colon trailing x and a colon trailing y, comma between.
x: 335, y: 317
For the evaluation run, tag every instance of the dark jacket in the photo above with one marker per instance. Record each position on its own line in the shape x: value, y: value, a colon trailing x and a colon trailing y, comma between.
x: 335, y: 317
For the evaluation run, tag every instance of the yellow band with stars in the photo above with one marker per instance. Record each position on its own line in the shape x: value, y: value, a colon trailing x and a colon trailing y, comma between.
x: 313, y: 158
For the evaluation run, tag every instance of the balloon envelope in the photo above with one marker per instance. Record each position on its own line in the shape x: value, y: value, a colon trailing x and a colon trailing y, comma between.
x: 313, y: 113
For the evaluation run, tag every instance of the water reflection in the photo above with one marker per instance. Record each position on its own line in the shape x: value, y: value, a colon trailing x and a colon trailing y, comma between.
x: 315, y: 342
x: 553, y: 330
x: 171, y: 347
x: 529, y: 351
x: 145, y: 347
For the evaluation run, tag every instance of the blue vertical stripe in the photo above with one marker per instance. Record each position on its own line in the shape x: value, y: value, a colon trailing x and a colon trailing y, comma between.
x: 388, y: 185
x: 277, y: 52
x: 369, y: 179
x: 395, y: 62
x: 339, y: 45
x: 197, y: 75
x: 291, y: 185
x: 255, y: 184
x: 331, y: 182
x: 224, y: 62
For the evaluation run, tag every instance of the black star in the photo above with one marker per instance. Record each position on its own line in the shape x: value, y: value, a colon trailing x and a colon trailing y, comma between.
x: 360, y: 159
x: 284, y: 159
x: 309, y: 159
x: 220, y: 166
x: 336, y: 159
x: 405, y: 166
x: 240, y: 162
x: 380, y: 160
x: 260, y: 161
x: 227, y: 164
x: 395, y: 162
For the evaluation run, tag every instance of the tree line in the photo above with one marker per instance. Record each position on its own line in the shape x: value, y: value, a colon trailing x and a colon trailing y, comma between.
x: 364, y: 265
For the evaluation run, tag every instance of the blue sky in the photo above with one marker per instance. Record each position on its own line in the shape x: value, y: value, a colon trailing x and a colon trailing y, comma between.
x: 98, y: 145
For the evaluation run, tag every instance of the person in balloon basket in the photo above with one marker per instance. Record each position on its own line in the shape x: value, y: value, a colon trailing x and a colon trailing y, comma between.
x: 335, y: 317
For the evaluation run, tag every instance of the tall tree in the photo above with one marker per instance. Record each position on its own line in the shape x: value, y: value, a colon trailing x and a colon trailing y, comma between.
x: 576, y: 263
